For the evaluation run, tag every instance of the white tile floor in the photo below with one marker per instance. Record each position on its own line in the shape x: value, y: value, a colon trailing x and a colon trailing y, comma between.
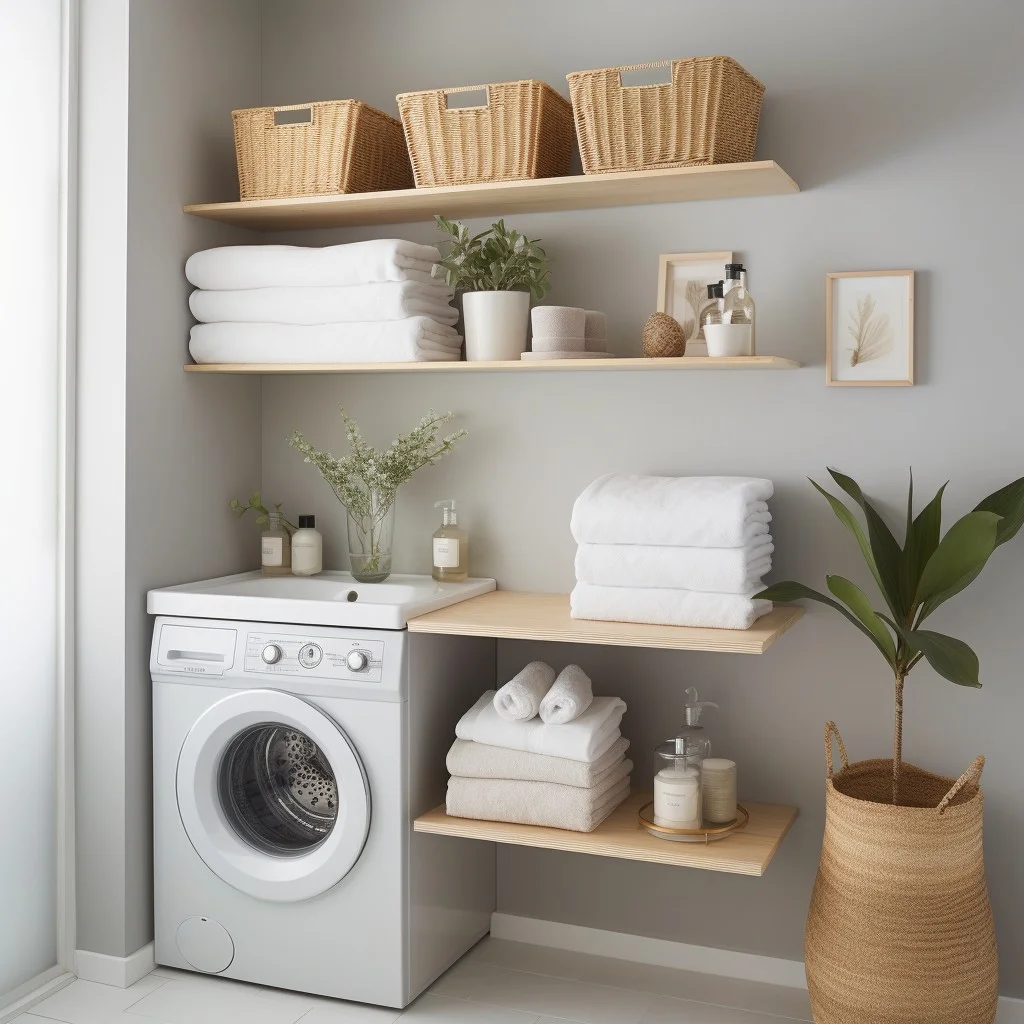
x: 497, y: 982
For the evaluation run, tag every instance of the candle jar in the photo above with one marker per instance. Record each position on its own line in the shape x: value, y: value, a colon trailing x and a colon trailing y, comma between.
x: 718, y: 784
x: 678, y: 801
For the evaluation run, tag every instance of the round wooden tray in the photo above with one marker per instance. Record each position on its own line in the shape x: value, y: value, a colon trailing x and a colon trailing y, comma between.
x: 710, y: 834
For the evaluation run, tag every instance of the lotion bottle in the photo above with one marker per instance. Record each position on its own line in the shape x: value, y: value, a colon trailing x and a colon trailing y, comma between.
x: 451, y: 547
x: 307, y: 548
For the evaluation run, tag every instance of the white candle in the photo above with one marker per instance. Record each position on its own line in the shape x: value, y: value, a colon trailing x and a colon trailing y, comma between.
x: 677, y: 801
x: 719, y: 789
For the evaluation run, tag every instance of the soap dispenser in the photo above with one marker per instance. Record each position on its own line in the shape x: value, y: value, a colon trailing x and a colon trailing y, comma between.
x: 678, y: 797
x: 451, y: 547
x: 697, y: 739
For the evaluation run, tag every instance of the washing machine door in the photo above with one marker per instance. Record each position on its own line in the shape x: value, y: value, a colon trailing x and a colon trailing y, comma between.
x: 273, y: 795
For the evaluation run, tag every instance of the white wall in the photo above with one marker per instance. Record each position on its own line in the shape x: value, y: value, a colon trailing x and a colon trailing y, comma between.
x: 900, y: 123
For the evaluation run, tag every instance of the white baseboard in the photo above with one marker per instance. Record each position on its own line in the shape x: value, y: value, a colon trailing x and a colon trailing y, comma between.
x: 665, y: 953
x: 35, y: 991
x: 119, y: 971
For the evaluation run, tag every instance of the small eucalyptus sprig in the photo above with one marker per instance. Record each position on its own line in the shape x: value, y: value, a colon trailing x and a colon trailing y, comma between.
x: 255, y: 504
x: 498, y: 259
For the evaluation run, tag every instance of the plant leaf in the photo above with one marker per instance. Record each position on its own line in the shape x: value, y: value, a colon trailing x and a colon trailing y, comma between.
x: 962, y: 552
x: 857, y: 601
x: 792, y: 591
x: 1007, y: 502
x: 884, y: 547
x: 920, y: 544
x: 951, y: 658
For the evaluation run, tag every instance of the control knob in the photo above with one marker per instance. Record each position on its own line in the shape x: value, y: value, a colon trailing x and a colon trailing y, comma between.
x: 271, y: 654
x: 357, y: 661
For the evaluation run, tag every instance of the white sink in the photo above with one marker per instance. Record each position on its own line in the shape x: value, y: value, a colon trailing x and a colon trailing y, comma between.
x: 329, y: 599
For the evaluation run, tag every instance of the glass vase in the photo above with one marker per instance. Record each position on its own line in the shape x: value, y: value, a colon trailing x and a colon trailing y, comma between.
x: 370, y: 539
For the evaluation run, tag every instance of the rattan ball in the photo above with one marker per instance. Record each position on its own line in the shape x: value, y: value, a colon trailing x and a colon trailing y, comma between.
x: 663, y: 336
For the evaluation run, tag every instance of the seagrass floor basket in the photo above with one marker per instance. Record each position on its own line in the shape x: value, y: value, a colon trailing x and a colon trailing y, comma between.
x: 707, y: 114
x: 900, y: 927
x: 321, y: 148
x: 521, y: 130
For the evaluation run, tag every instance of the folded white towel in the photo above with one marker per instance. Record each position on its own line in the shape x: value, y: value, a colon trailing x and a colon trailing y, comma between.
x: 519, y: 699
x: 570, y: 695
x: 480, y: 761
x: 389, y: 300
x: 534, y: 803
x: 415, y: 339
x: 711, y: 570
x: 586, y: 739
x: 296, y: 266
x: 666, y: 607
x: 684, y: 511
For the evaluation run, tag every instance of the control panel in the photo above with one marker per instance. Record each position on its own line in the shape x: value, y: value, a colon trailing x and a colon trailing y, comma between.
x: 322, y: 657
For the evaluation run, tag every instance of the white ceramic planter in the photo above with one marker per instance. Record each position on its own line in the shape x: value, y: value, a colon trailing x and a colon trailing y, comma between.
x: 496, y: 324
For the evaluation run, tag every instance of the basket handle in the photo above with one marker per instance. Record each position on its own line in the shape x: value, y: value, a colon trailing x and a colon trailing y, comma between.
x: 973, y: 774
x: 302, y: 123
x: 831, y: 729
x: 485, y: 89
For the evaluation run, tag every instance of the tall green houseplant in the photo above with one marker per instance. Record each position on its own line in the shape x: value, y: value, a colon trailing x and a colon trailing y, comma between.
x: 914, y: 579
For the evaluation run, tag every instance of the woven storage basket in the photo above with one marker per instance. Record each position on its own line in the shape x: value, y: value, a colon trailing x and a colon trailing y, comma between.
x: 345, y: 146
x: 900, y: 927
x: 707, y: 114
x: 523, y: 130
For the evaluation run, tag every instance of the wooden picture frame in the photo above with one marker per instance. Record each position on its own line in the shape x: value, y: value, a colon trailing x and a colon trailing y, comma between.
x: 675, y: 270
x: 865, y: 326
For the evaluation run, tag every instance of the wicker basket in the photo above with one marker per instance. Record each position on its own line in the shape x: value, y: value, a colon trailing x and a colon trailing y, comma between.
x: 344, y: 146
x: 707, y: 114
x: 523, y: 130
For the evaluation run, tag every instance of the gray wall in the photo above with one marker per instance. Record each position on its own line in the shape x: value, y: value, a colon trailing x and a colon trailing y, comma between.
x: 899, y: 122
x: 160, y: 452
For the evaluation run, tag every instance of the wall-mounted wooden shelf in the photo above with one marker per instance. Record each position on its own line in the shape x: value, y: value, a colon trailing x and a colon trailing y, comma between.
x: 747, y: 852
x: 531, y: 366
x: 514, y: 615
x: 575, y: 192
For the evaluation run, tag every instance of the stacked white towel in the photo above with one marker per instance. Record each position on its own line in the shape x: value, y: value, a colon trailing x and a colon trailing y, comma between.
x: 569, y: 776
x: 680, y: 551
x: 363, y: 302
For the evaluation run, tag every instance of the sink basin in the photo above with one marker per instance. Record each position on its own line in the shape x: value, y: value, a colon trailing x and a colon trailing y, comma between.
x: 329, y: 599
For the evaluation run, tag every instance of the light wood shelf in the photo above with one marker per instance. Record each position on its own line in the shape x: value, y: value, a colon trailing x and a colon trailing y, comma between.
x: 540, y: 195
x: 515, y: 615
x: 745, y: 852
x: 530, y: 366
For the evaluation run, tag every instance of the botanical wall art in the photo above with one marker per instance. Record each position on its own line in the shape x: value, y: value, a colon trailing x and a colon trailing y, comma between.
x: 869, y: 327
x: 683, y: 279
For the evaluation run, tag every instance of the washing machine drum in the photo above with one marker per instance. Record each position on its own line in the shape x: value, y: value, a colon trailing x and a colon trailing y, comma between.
x: 273, y: 795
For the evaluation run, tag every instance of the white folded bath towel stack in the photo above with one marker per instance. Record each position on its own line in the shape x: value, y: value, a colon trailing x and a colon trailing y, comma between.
x: 364, y: 302
x: 678, y: 551
x: 570, y: 775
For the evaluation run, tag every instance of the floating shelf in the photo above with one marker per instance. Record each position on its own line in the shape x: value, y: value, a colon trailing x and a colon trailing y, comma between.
x: 538, y: 195
x: 746, y: 852
x: 530, y: 366
x: 510, y: 614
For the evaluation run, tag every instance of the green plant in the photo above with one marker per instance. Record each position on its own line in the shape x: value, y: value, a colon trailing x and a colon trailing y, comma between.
x: 498, y: 259
x: 914, y: 580
x: 255, y: 504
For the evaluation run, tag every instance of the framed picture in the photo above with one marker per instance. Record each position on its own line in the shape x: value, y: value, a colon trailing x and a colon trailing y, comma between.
x: 683, y: 279
x: 869, y: 328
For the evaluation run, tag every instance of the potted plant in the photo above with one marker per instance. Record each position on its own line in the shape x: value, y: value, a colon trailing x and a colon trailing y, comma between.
x: 900, y: 927
x: 500, y: 270
x: 366, y: 482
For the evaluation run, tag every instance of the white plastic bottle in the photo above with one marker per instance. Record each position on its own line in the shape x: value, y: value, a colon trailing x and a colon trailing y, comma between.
x: 307, y: 548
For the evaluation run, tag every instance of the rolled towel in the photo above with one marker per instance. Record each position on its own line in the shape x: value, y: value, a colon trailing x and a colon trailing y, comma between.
x: 685, y: 511
x: 389, y: 300
x: 536, y: 803
x: 519, y: 699
x: 570, y: 695
x: 711, y: 570
x: 297, y: 266
x: 586, y: 739
x: 480, y: 761
x: 416, y: 339
x: 665, y: 607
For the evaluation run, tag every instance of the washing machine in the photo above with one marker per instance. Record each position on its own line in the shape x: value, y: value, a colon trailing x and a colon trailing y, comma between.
x: 298, y: 730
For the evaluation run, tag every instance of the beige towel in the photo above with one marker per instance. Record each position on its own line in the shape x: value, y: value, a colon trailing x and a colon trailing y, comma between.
x: 481, y: 761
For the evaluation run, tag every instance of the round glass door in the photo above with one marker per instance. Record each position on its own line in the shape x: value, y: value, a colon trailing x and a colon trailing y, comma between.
x: 273, y: 795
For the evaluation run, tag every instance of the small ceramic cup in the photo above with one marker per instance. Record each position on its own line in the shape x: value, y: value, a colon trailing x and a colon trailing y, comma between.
x: 727, y: 339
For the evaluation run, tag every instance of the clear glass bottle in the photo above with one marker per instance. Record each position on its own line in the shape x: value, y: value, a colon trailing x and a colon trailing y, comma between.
x: 712, y: 312
x: 738, y: 303
x: 696, y: 736
x: 451, y: 547
x: 678, y: 801
x: 276, y: 547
